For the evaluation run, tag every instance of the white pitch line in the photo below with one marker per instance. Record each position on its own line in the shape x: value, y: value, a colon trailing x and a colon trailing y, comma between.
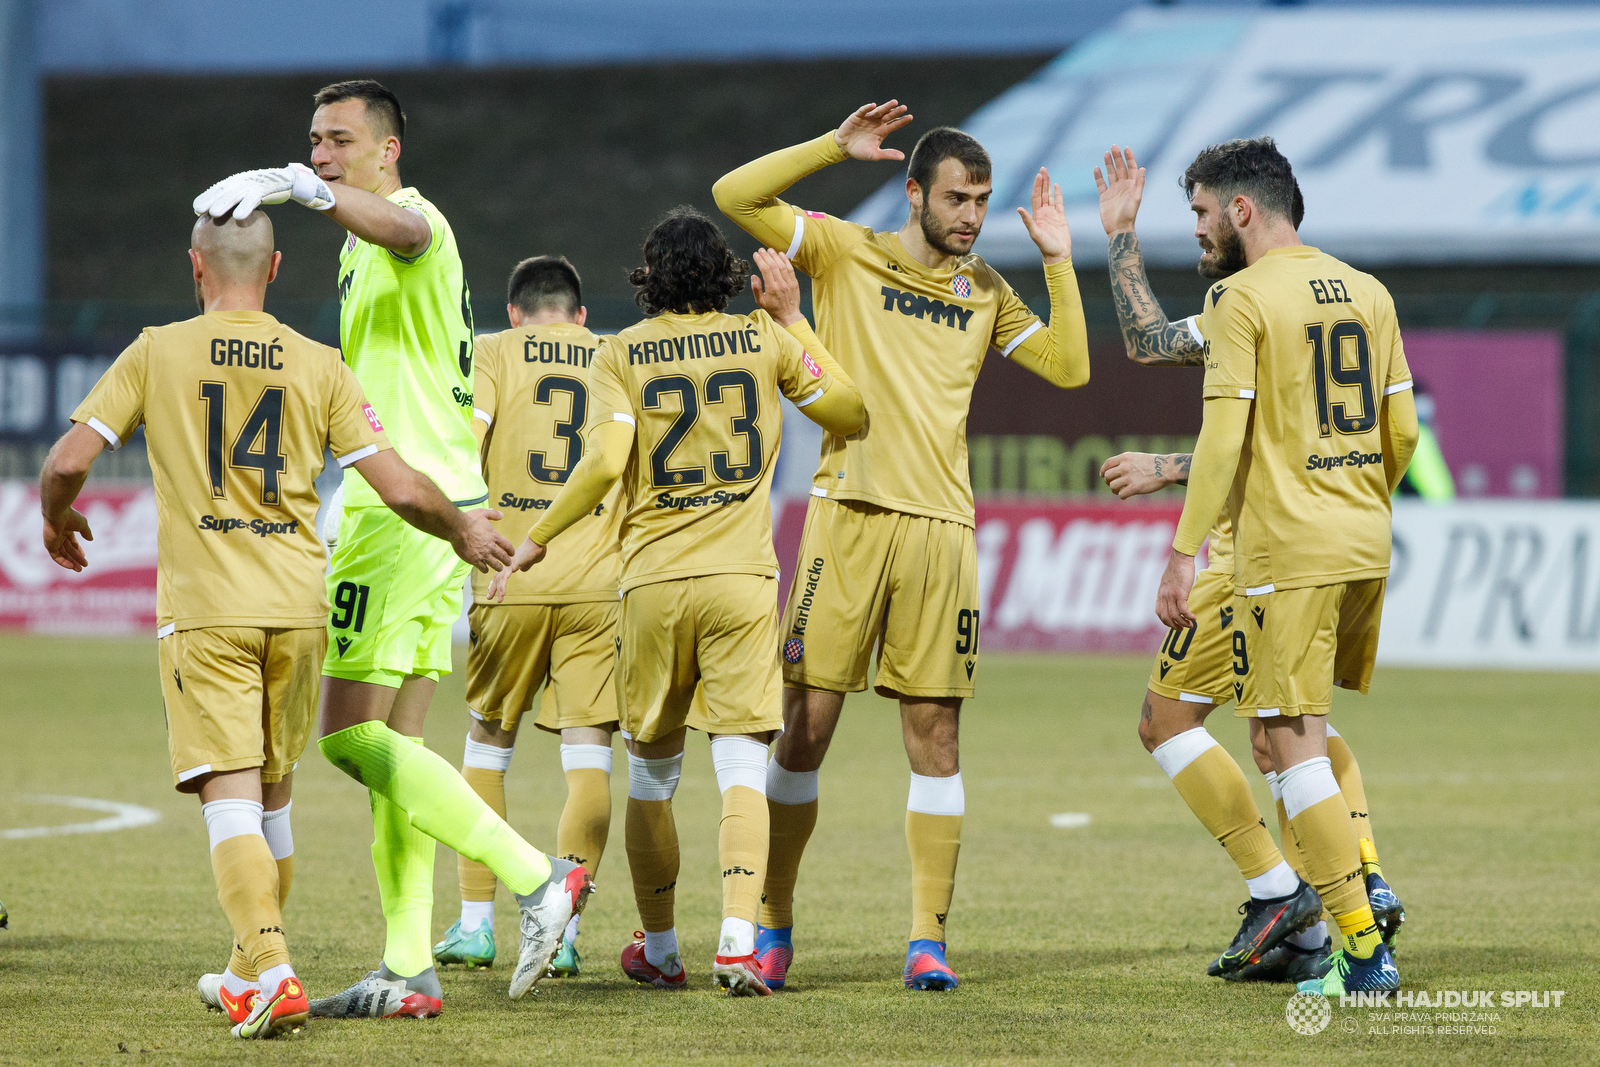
x: 1070, y: 820
x: 122, y: 817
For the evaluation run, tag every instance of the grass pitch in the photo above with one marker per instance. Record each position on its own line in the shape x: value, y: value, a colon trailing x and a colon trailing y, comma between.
x: 1082, y: 945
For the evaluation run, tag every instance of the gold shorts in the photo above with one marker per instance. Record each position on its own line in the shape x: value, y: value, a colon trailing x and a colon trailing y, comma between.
x: 717, y: 631
x: 570, y: 649
x: 905, y: 582
x: 239, y: 696
x: 1198, y: 664
x: 1300, y: 643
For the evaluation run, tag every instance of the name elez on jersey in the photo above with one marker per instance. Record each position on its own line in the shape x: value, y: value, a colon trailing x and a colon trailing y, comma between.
x: 537, y: 351
x: 696, y: 346
x: 1331, y: 291
x: 232, y: 352
x: 919, y: 306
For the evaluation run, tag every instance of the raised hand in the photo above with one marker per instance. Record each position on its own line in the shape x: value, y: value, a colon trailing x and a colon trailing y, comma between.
x: 1121, y: 188
x: 61, y: 540
x: 1134, y: 474
x: 1047, y: 222
x: 861, y: 135
x: 780, y: 296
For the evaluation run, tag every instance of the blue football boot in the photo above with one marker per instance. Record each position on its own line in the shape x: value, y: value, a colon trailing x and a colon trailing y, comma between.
x: 926, y: 968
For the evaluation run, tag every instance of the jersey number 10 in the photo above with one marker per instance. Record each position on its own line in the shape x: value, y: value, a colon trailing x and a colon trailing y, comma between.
x: 1328, y: 363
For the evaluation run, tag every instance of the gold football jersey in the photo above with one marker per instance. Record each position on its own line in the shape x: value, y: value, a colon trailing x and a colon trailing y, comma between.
x: 1219, y: 554
x: 702, y: 392
x: 531, y: 385
x: 237, y: 410
x: 913, y: 340
x: 1316, y: 344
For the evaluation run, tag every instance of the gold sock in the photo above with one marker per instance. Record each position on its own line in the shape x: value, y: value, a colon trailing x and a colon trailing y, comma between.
x: 742, y: 837
x: 935, y: 845
x: 240, y: 964
x: 652, y: 846
x: 791, y: 826
x: 586, y: 818
x: 478, y: 881
x: 1216, y: 791
x: 1332, y: 859
x: 247, y: 888
x: 1347, y: 772
x: 1360, y: 932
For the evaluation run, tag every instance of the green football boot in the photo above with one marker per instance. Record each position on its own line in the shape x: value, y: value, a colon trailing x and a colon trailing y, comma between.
x: 468, y: 948
x: 567, y: 963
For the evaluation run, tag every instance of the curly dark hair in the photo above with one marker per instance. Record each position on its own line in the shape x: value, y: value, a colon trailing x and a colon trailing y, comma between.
x: 687, y: 266
x: 1254, y: 168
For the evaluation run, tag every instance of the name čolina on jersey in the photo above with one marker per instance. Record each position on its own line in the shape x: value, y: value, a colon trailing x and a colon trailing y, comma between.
x: 536, y: 351
x: 232, y: 352
x: 696, y: 346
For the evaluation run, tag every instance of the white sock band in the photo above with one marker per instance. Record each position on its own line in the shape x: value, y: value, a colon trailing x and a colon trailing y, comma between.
x: 1176, y: 753
x: 231, y: 818
x: 790, y: 787
x: 742, y: 932
x: 486, y: 757
x: 586, y: 757
x: 1306, y: 784
x: 474, y: 913
x: 275, y: 828
x: 653, y: 779
x: 937, y: 796
x: 739, y: 761
x: 1272, y: 784
x: 658, y: 946
x: 1331, y: 733
x: 1270, y: 885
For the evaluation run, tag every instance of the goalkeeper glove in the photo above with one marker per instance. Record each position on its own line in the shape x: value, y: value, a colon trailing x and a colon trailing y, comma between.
x: 242, y: 193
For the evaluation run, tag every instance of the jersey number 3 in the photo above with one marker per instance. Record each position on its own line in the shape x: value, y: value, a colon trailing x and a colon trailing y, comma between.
x: 570, y: 431
x: 1328, y: 365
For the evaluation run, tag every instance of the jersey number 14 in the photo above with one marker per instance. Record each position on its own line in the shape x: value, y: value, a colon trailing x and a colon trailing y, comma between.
x: 258, y: 446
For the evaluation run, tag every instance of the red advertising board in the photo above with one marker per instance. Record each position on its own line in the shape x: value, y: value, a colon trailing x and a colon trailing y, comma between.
x: 117, y: 592
x: 1057, y: 577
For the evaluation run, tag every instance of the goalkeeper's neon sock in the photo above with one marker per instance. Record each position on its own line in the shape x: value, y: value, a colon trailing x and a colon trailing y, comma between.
x: 437, y: 800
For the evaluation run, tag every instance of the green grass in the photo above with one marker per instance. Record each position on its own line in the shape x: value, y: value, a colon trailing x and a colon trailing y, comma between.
x: 1085, y: 945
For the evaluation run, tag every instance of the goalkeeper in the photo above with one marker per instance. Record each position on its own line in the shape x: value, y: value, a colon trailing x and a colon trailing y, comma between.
x: 405, y: 327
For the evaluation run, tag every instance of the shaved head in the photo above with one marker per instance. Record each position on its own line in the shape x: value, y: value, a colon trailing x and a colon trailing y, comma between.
x: 235, y: 252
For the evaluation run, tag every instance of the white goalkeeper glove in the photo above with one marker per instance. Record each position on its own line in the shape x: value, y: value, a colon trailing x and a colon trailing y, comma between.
x: 242, y: 193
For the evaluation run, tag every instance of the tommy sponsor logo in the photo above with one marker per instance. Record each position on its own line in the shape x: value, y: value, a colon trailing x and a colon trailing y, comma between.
x: 259, y: 527
x: 802, y: 613
x: 667, y: 501
x: 372, y: 418
x: 524, y: 503
x: 1351, y: 459
x: 696, y: 346
x: 918, y: 306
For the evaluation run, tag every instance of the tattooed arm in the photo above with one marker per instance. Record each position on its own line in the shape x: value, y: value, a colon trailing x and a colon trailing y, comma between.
x: 1150, y: 338
x: 1136, y: 473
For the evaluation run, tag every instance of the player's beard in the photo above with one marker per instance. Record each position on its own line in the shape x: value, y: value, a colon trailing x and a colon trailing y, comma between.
x: 937, y: 234
x: 1223, y: 254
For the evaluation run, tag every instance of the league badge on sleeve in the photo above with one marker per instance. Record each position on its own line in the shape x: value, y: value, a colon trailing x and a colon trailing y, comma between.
x: 372, y: 418
x: 961, y: 285
x: 811, y: 364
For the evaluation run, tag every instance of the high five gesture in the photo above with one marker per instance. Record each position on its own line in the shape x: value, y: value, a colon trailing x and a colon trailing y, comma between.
x: 861, y: 135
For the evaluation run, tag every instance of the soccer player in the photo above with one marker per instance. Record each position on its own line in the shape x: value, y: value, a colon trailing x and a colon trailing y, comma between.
x: 405, y: 328
x: 691, y: 395
x: 237, y: 410
x: 888, y: 555
x: 1308, y: 427
x: 1190, y: 678
x: 556, y: 627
